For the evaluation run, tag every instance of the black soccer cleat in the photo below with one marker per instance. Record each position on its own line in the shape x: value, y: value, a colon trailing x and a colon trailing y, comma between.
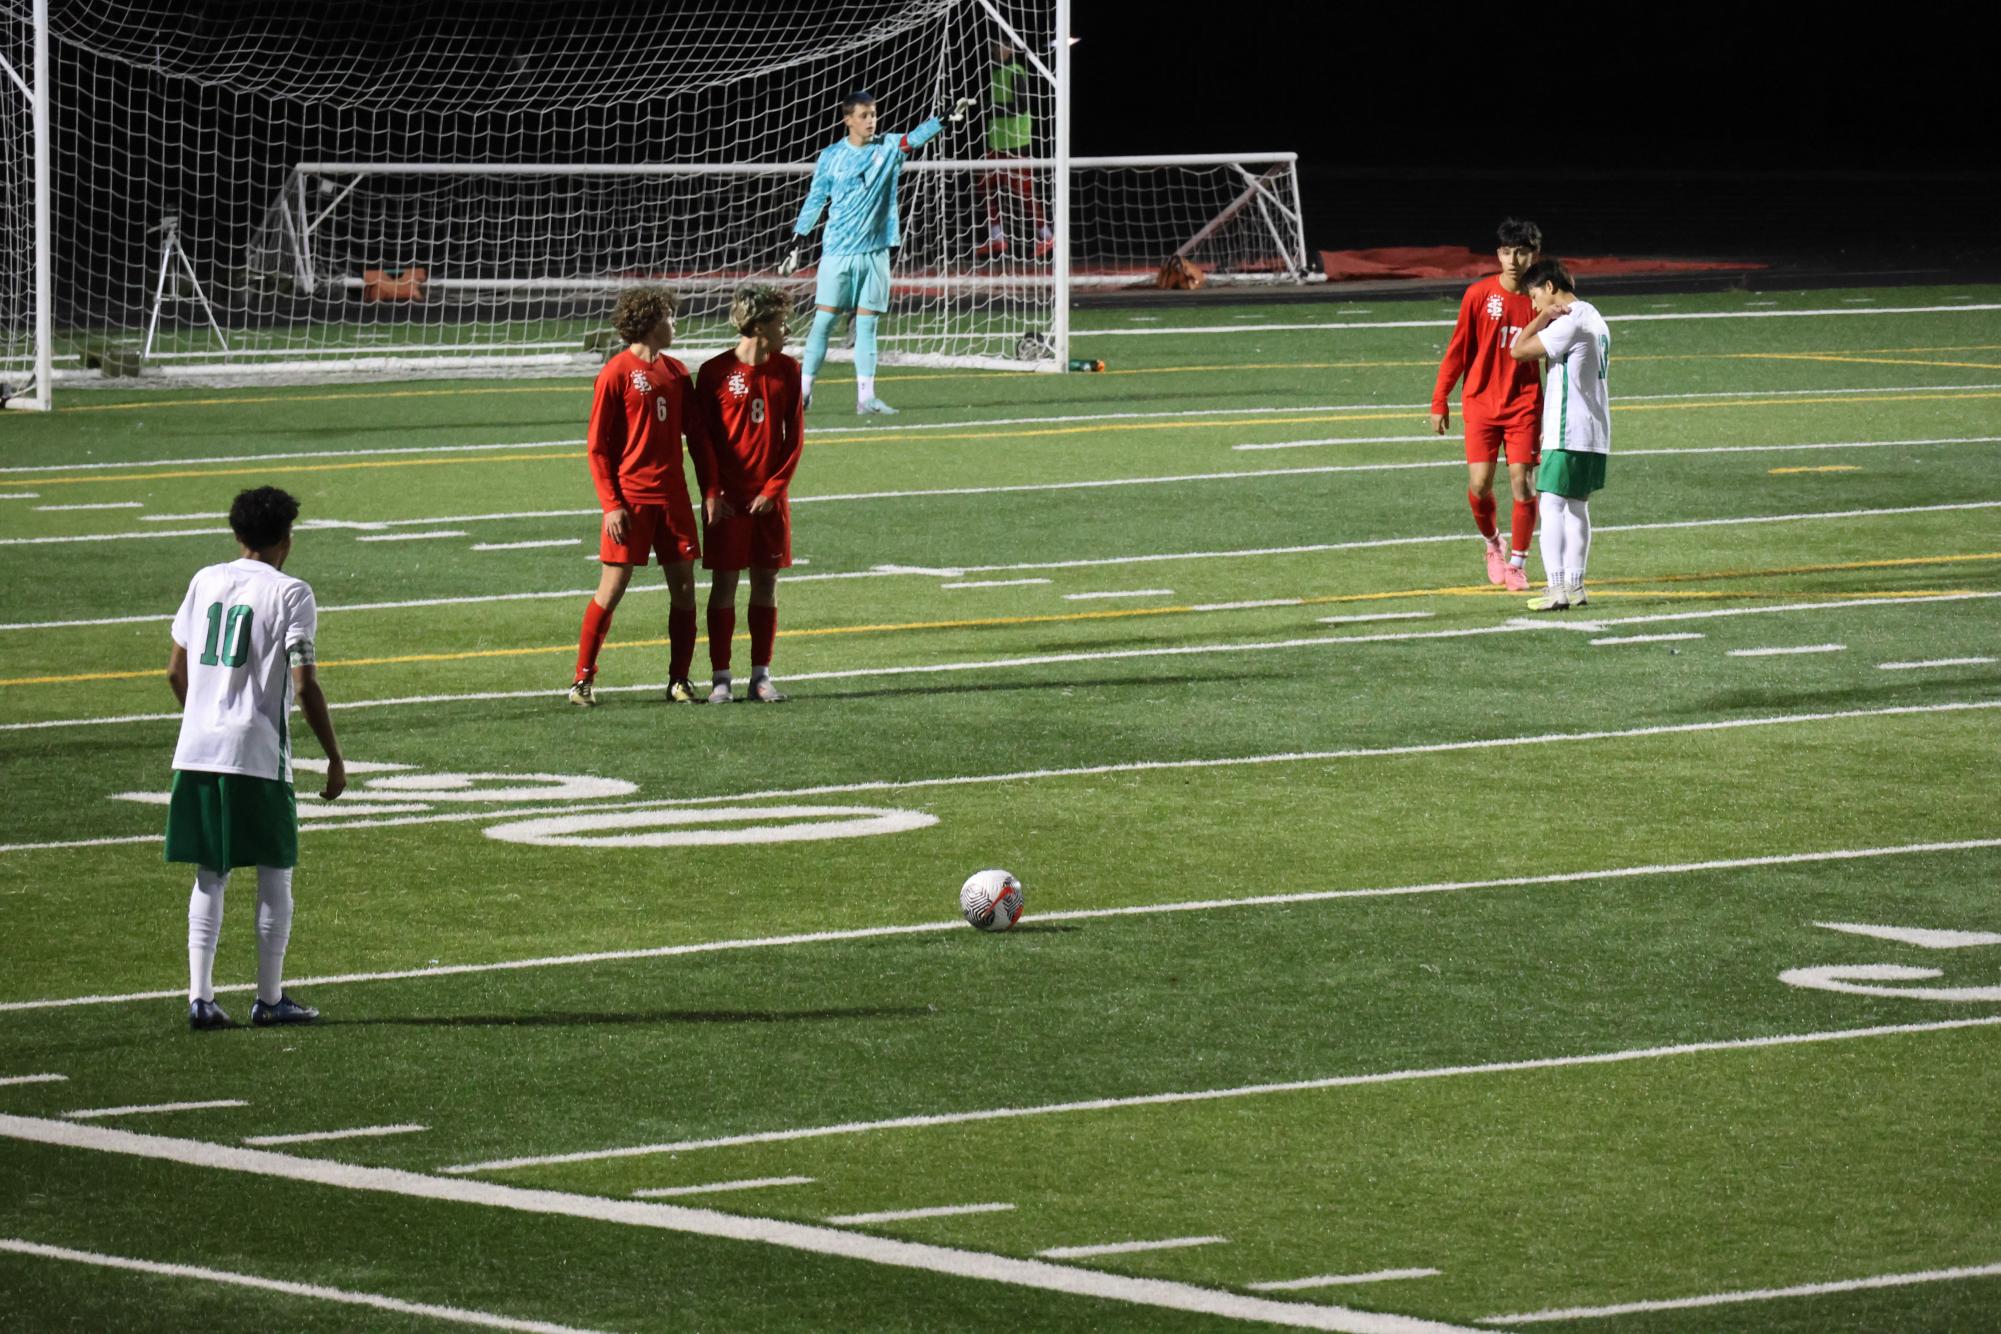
x: 681, y: 690
x: 284, y: 1011
x: 204, y: 1015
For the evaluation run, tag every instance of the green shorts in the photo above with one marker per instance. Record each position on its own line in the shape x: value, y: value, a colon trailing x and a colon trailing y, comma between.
x: 225, y: 820
x: 1571, y: 473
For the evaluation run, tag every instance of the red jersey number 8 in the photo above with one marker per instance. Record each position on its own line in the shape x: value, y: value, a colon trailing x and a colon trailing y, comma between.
x: 757, y: 411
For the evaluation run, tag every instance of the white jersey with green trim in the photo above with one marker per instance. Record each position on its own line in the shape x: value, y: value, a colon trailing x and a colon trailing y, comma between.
x: 1576, y: 406
x: 240, y: 623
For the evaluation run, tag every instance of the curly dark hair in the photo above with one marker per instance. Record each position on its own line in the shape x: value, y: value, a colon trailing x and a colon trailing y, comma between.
x: 639, y: 309
x: 262, y: 518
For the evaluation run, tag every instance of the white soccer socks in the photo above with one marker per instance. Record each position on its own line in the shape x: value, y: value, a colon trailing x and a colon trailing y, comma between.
x: 204, y: 926
x: 274, y: 930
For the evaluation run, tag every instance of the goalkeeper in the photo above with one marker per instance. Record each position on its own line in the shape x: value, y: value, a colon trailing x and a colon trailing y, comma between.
x: 854, y: 183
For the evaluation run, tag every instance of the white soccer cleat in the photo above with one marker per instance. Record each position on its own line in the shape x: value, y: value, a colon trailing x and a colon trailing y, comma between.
x: 1554, y: 600
x: 582, y: 694
x: 1575, y: 594
x: 719, y: 693
x: 874, y: 407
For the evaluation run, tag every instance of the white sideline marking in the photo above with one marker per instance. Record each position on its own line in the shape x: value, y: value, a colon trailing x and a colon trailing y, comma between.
x: 1447, y: 324
x: 146, y: 1109
x: 178, y: 518
x: 524, y: 546
x: 936, y: 571
x: 1920, y: 936
x: 715, y: 1187
x: 273, y: 458
x: 21, y: 495
x: 1647, y: 639
x: 1079, y: 914
x: 1934, y: 662
x: 7, y: 1080
x: 1751, y: 1295
x: 1335, y: 1280
x: 1120, y: 593
x: 881, y: 572
x: 807, y: 1237
x: 1128, y: 1247
x: 318, y: 1136
x: 995, y: 583
x: 1248, y: 604
x: 1859, y: 300
x: 456, y: 1314
x: 1674, y: 450
x: 1780, y: 652
x: 1377, y: 616
x: 1343, y: 440
x: 410, y: 537
x: 104, y: 505
x: 935, y: 1211
x: 1218, y: 1094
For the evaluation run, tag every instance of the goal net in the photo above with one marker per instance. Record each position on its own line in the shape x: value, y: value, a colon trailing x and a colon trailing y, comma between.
x: 266, y: 190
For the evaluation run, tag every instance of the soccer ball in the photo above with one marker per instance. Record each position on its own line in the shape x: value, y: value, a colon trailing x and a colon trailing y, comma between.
x: 991, y: 900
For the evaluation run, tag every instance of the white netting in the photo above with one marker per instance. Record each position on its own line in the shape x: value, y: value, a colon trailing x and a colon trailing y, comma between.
x: 312, y: 189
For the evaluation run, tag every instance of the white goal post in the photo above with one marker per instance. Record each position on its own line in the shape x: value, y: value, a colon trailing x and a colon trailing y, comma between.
x: 426, y: 193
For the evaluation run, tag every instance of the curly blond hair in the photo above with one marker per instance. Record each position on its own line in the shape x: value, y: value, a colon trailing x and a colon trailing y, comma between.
x: 639, y: 309
x: 753, y: 304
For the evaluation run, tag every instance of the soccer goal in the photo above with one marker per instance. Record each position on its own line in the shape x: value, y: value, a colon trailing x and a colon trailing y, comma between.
x: 418, y: 190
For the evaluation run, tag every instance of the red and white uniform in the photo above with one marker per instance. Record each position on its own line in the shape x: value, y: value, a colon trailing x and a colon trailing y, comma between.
x: 1502, y: 401
x: 755, y: 417
x: 639, y: 413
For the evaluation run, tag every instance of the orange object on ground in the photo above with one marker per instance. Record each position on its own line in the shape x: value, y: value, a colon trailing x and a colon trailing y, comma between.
x: 393, y: 284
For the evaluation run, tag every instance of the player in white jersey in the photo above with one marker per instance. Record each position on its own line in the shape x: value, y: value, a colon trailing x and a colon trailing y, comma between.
x: 1576, y: 424
x: 243, y: 642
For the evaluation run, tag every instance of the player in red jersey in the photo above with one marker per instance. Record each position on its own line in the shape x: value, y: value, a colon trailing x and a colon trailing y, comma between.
x: 754, y: 415
x: 1502, y: 401
x: 640, y: 408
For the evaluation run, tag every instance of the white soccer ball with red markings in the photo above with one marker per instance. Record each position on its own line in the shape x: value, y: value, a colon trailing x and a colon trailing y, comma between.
x: 991, y: 900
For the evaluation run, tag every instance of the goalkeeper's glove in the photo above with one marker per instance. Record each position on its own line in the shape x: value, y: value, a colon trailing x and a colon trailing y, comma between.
x: 788, y: 263
x: 960, y: 108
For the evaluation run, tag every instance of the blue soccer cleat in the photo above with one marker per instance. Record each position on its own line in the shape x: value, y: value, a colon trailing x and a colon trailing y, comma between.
x: 204, y: 1015
x: 874, y: 407
x: 284, y: 1011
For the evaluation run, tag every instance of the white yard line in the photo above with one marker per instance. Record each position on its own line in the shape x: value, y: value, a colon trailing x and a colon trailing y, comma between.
x: 1120, y: 593
x: 410, y: 537
x: 1248, y: 604
x: 1430, y: 438
x: 1447, y: 324
x: 148, y: 1109
x: 1647, y: 639
x: 1337, y: 1280
x: 320, y: 1136
x: 803, y: 1237
x: 717, y: 1187
x: 178, y: 518
x: 9, y: 1080
x: 1935, y: 662
x: 995, y: 583
x: 1751, y: 1295
x: 21, y: 495
x: 935, y: 1211
x: 524, y: 546
x: 286, y: 457
x: 1514, y: 626
x: 455, y: 1314
x: 1220, y: 1094
x: 1080, y: 914
x: 1376, y: 616
x: 1787, y: 651
x: 1128, y: 1247
x: 104, y: 505
x: 1673, y: 451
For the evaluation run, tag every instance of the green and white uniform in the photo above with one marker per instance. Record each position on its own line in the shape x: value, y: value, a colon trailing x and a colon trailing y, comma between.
x: 244, y: 624
x: 1577, y: 405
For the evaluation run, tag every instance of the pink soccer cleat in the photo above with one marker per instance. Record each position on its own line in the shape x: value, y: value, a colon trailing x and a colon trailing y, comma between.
x: 1513, y: 579
x: 1496, y: 564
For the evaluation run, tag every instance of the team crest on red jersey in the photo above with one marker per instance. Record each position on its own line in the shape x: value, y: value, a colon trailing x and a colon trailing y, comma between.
x: 642, y: 382
x: 1495, y: 308
x: 738, y: 384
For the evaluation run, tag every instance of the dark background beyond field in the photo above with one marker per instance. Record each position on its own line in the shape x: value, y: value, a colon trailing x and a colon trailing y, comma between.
x: 1866, y: 146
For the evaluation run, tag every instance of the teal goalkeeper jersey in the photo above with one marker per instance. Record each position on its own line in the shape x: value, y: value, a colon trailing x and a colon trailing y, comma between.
x: 857, y: 189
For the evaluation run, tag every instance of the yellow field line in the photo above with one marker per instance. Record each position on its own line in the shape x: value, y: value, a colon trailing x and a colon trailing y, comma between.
x: 1825, y: 467
x: 1082, y: 429
x: 1130, y: 613
x: 1863, y: 361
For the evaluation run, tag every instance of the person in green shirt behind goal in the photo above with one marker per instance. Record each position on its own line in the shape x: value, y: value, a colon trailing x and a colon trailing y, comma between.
x: 1010, y: 135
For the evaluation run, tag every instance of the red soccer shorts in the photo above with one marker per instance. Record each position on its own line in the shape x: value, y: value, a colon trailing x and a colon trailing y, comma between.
x: 749, y: 541
x: 1484, y: 440
x: 668, y: 528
